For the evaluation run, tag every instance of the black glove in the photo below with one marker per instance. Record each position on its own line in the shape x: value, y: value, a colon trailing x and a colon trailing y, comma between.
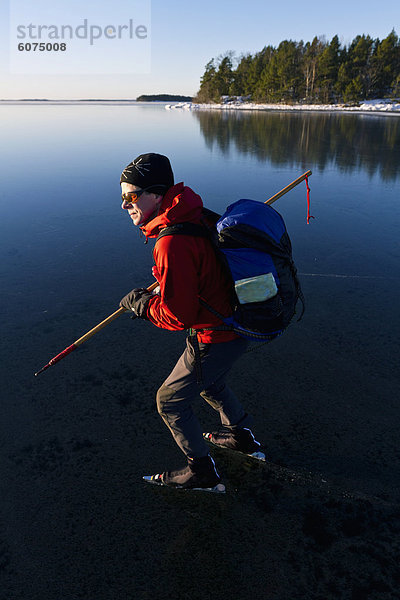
x: 137, y: 300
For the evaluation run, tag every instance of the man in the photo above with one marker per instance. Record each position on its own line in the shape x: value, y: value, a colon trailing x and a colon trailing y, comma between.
x: 187, y: 270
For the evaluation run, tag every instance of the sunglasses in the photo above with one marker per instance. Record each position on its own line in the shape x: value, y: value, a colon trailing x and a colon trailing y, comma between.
x: 132, y: 197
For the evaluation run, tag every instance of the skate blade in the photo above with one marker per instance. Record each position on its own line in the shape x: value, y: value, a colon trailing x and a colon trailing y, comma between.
x: 153, y: 479
x: 156, y: 480
x: 257, y: 455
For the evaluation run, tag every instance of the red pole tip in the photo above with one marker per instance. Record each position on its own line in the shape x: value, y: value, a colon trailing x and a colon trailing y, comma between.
x: 54, y: 360
x: 42, y: 369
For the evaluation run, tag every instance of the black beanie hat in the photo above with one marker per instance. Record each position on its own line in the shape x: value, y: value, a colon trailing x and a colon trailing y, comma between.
x: 149, y: 170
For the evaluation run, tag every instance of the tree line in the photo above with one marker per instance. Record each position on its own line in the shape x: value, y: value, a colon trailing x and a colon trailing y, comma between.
x: 312, y: 72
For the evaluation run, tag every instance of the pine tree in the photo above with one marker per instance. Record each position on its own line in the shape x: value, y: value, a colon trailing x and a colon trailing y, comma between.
x: 328, y: 68
x: 311, y: 56
x: 359, y: 66
x: 240, y: 85
x: 387, y: 64
x: 207, y: 89
x: 224, y: 76
x: 259, y: 63
x: 288, y: 62
x: 268, y: 88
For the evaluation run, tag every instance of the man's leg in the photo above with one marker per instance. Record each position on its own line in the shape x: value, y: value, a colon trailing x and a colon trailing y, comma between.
x: 235, y: 433
x: 180, y: 389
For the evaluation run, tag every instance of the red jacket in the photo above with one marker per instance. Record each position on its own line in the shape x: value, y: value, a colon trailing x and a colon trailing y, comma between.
x: 186, y: 269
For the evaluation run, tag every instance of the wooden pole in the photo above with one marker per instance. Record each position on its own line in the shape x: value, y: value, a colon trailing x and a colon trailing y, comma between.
x: 288, y: 187
x: 108, y: 320
x: 88, y: 335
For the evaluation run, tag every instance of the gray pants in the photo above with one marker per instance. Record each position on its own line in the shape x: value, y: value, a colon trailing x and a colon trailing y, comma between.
x: 180, y: 389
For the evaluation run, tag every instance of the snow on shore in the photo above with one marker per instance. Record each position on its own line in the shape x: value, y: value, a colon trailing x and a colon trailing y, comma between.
x: 370, y: 106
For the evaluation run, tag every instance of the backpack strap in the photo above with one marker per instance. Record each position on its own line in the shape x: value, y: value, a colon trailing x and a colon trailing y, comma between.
x: 231, y: 325
x: 186, y: 228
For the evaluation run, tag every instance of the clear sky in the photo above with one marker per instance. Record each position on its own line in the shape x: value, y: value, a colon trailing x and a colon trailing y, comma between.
x: 185, y: 35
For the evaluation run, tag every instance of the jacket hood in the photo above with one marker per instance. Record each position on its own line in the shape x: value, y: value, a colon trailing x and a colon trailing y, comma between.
x: 180, y: 204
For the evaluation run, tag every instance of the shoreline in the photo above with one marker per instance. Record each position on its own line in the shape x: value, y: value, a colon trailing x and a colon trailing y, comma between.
x: 386, y: 107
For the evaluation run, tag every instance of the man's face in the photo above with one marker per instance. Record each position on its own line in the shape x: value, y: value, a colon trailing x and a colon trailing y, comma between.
x: 145, y: 206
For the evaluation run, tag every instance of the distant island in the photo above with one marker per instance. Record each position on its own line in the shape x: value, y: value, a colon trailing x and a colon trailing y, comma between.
x: 163, y: 98
x: 143, y: 98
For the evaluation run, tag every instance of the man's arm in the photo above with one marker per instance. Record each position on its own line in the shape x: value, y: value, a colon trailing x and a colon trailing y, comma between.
x: 178, y: 264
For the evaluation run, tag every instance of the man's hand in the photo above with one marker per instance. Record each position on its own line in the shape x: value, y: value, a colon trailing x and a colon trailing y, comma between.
x: 137, y: 300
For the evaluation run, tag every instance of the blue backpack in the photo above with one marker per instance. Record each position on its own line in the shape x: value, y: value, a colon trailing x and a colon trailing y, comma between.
x: 251, y: 240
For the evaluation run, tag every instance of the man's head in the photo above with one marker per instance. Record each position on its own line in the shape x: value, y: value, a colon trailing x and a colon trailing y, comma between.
x: 150, y: 176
